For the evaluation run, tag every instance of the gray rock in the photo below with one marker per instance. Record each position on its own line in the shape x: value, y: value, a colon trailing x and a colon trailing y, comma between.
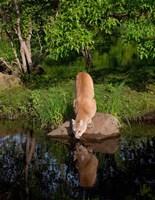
x: 105, y: 125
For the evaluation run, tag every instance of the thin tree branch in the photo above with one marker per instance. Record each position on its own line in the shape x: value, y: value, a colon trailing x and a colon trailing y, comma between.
x: 14, y: 50
x: 24, y: 49
x: 5, y: 63
x: 18, y: 30
x: 28, y: 39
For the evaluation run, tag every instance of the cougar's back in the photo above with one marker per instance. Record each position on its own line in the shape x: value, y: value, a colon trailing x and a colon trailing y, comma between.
x: 84, y: 86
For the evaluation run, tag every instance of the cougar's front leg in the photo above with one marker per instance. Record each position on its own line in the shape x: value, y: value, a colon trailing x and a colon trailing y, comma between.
x: 90, y: 124
x: 74, y: 106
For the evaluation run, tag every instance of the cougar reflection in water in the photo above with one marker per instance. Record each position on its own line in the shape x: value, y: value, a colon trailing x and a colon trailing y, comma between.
x: 86, y: 164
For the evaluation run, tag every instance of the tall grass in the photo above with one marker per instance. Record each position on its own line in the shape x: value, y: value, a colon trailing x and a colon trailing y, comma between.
x: 109, y: 98
x: 14, y: 103
x: 123, y: 102
x: 55, y: 104
x: 52, y: 105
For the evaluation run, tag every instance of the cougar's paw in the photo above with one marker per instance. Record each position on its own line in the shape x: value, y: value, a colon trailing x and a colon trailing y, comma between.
x: 90, y: 125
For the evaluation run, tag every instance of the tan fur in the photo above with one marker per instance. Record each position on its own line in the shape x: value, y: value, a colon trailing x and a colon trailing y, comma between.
x: 84, y: 103
x: 87, y: 164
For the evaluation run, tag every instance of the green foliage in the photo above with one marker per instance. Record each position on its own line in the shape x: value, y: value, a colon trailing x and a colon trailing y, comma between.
x: 121, y: 55
x: 55, y: 75
x: 80, y: 24
x: 60, y: 72
x: 52, y: 105
x: 109, y: 98
x: 6, y: 51
x: 14, y: 103
x: 118, y: 57
x: 77, y: 25
x: 138, y: 28
x: 123, y: 102
x: 23, y: 21
x: 142, y: 36
x: 55, y: 104
x: 71, y: 26
x: 47, y: 106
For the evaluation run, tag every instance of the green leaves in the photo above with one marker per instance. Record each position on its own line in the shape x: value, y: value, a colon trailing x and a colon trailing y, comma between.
x: 6, y: 51
x: 64, y: 27
x: 63, y: 37
x: 141, y: 33
x: 139, y: 27
x: 77, y: 25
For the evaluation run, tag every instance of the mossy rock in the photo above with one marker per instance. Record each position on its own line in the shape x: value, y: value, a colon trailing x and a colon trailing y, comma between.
x: 8, y: 81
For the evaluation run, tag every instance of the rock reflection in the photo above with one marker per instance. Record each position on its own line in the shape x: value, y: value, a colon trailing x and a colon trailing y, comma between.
x: 108, y: 145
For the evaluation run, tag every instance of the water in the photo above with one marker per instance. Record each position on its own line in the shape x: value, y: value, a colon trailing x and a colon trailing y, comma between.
x: 33, y: 166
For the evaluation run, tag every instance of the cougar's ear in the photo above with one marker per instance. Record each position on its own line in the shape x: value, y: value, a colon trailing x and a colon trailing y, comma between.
x: 81, y: 122
x: 73, y: 121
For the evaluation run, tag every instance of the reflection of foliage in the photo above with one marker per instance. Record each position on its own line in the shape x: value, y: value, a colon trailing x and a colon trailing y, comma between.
x: 52, y: 173
x: 131, y: 168
x: 13, y: 159
x: 146, y: 191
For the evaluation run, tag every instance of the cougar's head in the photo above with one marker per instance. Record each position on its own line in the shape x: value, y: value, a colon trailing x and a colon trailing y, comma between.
x: 78, y: 127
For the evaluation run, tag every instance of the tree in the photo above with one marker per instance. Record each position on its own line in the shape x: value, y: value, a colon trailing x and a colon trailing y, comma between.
x: 139, y: 27
x: 35, y: 27
x: 22, y: 22
x: 79, y: 23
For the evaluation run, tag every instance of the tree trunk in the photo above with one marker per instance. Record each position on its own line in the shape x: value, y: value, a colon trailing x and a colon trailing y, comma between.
x: 24, y: 60
x: 87, y: 56
x: 25, y: 48
x: 22, y: 53
x: 27, y: 57
x: 28, y: 47
x: 9, y: 35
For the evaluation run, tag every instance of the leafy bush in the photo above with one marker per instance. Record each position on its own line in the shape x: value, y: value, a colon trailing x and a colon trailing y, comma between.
x: 6, y: 51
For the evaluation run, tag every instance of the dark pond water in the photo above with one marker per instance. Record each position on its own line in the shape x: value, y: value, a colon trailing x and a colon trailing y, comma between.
x: 33, y: 166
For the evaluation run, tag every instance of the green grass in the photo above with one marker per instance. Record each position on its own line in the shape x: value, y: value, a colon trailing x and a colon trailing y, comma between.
x: 53, y: 105
x: 123, y: 102
x: 15, y: 103
x: 109, y: 98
